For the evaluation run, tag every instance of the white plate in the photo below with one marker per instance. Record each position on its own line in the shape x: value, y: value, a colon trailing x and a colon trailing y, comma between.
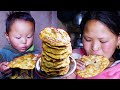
x: 44, y: 75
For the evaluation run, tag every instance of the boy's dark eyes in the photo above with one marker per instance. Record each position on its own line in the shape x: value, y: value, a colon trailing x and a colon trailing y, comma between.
x: 29, y: 37
x: 18, y: 37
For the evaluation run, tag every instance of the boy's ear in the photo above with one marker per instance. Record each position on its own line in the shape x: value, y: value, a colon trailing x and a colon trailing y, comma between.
x: 7, y: 36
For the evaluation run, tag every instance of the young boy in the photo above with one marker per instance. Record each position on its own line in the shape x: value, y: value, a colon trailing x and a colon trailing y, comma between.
x: 20, y: 28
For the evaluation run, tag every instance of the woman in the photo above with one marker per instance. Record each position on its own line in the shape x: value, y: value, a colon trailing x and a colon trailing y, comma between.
x: 100, y: 36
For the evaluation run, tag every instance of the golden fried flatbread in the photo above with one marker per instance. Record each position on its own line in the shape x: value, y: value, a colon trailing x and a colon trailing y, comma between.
x: 55, y: 72
x: 57, y: 64
x: 55, y: 36
x: 49, y: 59
x: 57, y: 47
x: 58, y: 56
x: 56, y: 51
x: 26, y: 61
x: 94, y: 65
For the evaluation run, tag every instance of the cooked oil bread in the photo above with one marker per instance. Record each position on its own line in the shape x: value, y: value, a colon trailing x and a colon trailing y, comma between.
x: 56, y: 64
x: 59, y: 71
x: 26, y: 61
x: 48, y: 58
x: 55, y: 71
x: 55, y: 36
x: 57, y: 56
x: 94, y: 65
x: 56, y: 49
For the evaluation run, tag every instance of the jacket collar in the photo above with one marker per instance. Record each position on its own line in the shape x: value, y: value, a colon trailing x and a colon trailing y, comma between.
x: 9, y: 47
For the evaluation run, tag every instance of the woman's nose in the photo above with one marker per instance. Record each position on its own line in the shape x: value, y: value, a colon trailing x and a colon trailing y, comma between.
x: 95, y: 47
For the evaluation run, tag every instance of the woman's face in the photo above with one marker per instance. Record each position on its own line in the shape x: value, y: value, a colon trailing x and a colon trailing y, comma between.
x: 98, y: 39
x: 21, y: 35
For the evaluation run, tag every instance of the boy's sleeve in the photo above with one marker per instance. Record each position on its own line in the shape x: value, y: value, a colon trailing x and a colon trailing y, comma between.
x: 1, y: 58
x: 2, y: 54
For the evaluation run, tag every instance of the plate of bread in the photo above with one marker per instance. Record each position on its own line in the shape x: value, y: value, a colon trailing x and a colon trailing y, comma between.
x: 55, y: 73
x: 55, y: 60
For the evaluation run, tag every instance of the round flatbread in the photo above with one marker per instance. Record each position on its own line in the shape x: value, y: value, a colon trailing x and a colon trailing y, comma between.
x: 57, y: 56
x: 55, y: 72
x: 56, y: 51
x: 57, y: 47
x: 57, y: 64
x: 55, y: 36
x: 94, y: 65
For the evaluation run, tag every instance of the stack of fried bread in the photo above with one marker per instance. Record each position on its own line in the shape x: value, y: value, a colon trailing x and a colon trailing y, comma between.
x: 57, y: 48
x: 94, y: 65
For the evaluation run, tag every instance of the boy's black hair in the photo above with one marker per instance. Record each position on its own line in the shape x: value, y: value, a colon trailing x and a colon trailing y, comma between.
x: 12, y: 16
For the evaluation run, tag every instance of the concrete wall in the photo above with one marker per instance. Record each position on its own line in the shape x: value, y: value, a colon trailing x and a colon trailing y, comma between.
x: 42, y: 19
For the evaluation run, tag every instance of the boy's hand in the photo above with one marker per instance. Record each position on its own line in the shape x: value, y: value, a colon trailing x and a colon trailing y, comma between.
x: 3, y: 66
x: 37, y: 55
x: 4, y: 69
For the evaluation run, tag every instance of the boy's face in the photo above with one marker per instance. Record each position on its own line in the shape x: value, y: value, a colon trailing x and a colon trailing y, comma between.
x: 21, y: 35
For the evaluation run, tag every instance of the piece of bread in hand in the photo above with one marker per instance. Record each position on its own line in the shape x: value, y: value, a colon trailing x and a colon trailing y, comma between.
x: 26, y: 61
x: 94, y: 65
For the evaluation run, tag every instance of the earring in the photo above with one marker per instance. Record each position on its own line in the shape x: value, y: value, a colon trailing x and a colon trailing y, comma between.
x: 118, y: 46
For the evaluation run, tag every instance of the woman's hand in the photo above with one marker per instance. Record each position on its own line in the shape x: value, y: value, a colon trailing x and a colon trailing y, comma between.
x: 80, y: 65
x: 5, y: 70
